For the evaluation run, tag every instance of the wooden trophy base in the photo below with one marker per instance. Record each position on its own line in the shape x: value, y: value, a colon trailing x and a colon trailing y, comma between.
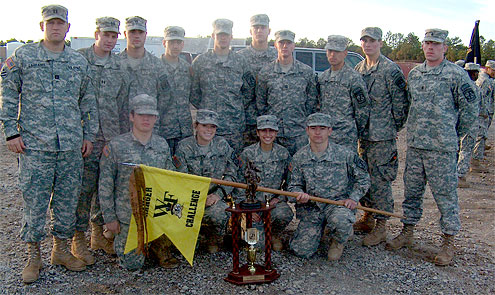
x: 244, y: 276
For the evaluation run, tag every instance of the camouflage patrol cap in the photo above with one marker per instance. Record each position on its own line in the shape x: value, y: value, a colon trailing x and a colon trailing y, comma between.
x: 267, y: 121
x: 108, y: 24
x: 135, y: 23
x: 143, y: 104
x: 284, y: 35
x: 319, y: 119
x: 222, y: 25
x: 337, y: 43
x: 460, y: 63
x: 260, y: 20
x: 490, y: 64
x: 470, y: 66
x: 54, y: 11
x: 372, y: 32
x: 174, y: 33
x: 435, y: 35
x: 204, y: 116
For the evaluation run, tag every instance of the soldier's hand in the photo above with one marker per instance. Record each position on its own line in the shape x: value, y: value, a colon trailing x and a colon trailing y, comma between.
x: 113, y: 226
x: 302, y: 198
x: 350, y: 204
x: 274, y: 201
x: 16, y: 145
x: 212, y: 199
x: 87, y: 148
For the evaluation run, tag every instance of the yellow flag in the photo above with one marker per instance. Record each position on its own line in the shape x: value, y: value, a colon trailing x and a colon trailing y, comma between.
x: 174, y: 205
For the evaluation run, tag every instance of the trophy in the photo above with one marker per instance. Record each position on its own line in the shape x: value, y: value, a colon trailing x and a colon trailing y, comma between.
x: 252, y: 236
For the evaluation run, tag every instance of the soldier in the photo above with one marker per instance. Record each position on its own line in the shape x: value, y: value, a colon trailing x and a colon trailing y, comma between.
x: 44, y: 95
x: 147, y: 73
x: 175, y: 119
x: 211, y: 156
x: 388, y: 114
x: 287, y: 87
x: 138, y: 146
x: 111, y: 91
x: 343, y: 95
x: 487, y: 85
x: 224, y: 83
x: 330, y: 171
x: 272, y: 160
x: 257, y: 55
x: 432, y: 140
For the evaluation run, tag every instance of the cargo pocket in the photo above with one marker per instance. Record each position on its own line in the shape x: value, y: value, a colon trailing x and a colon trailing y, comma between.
x: 388, y: 169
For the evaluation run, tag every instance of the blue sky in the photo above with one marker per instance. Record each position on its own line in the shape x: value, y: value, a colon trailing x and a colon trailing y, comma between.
x: 312, y: 19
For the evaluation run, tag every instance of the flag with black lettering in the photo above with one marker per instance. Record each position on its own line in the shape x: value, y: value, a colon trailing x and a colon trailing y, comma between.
x: 173, y: 204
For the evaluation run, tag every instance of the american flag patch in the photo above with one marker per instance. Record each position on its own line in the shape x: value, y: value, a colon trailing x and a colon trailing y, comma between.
x: 176, y: 161
x: 9, y: 63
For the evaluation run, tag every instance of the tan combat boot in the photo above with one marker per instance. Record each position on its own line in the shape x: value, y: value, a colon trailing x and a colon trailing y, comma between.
x: 335, y: 250
x: 213, y: 244
x: 277, y: 244
x: 477, y: 166
x: 377, y: 235
x: 79, y: 248
x: 98, y: 241
x: 405, y: 238
x: 31, y: 271
x: 365, y: 224
x: 62, y: 256
x: 446, y: 254
x: 463, y: 183
x: 160, y: 249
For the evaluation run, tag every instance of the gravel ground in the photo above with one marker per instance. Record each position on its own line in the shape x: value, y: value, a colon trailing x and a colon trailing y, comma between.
x: 361, y: 270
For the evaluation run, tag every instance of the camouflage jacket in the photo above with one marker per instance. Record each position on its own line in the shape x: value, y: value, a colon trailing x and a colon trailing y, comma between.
x: 444, y: 106
x: 345, y: 98
x: 487, y: 86
x: 389, y: 100
x: 45, y: 99
x: 113, y: 187
x: 290, y: 96
x: 224, y: 87
x: 111, y: 86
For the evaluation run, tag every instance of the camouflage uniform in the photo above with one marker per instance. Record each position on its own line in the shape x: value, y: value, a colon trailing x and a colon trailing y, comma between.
x: 216, y: 162
x: 226, y: 88
x: 113, y: 189
x: 388, y: 113
x: 439, y: 113
x: 111, y: 90
x: 291, y: 96
x: 345, y: 98
x: 338, y: 174
x: 55, y: 95
x: 487, y: 87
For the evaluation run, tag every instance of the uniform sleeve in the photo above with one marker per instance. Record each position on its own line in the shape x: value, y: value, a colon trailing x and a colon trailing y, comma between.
x: 361, y: 104
x: 311, y: 93
x: 396, y: 84
x: 10, y: 89
x: 248, y: 91
x: 89, y: 109
x: 230, y: 171
x: 467, y: 101
x: 123, y: 104
x: 195, y: 97
x: 358, y: 172
x: 285, y: 178
x: 243, y: 159
x: 262, y: 94
x: 164, y: 98
x: 296, y: 178
x: 106, y: 185
x: 179, y: 159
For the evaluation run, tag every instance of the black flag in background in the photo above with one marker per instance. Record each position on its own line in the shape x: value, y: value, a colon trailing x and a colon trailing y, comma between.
x: 474, y: 51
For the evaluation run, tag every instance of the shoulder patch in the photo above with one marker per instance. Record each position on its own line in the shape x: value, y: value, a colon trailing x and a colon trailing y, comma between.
x: 360, y: 163
x: 358, y: 94
x: 176, y: 161
x: 249, y: 78
x: 164, y: 82
x: 468, y: 92
x: 290, y: 167
x: 240, y: 162
x: 106, y: 151
x: 399, y: 79
x: 9, y: 63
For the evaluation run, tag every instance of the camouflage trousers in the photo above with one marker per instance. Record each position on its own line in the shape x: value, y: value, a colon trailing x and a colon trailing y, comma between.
x: 312, y: 223
x: 88, y: 199
x: 349, y: 140
x: 479, y: 146
x: 235, y: 141
x: 382, y: 160
x: 130, y: 261
x: 49, y: 178
x: 281, y: 216
x: 293, y: 144
x: 439, y: 170
x: 465, y: 151
x: 215, y: 219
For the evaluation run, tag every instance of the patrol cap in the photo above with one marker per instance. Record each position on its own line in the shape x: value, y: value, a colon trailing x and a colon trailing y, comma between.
x: 267, y: 121
x: 460, y: 63
x: 54, y: 11
x: 337, y: 43
x: 174, y: 33
x: 260, y: 20
x: 143, y: 104
x: 372, y: 32
x: 470, y: 66
x: 435, y: 35
x: 284, y: 35
x: 108, y: 24
x: 135, y: 23
x: 204, y: 116
x: 490, y: 64
x: 222, y: 25
x: 319, y: 119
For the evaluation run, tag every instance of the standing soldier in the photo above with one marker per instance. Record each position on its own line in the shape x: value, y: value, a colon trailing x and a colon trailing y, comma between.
x: 343, y: 95
x: 224, y: 83
x: 440, y: 112
x: 44, y: 95
x: 175, y: 117
x: 388, y: 114
x: 258, y: 54
x: 287, y: 88
x: 327, y: 170
x: 111, y: 91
